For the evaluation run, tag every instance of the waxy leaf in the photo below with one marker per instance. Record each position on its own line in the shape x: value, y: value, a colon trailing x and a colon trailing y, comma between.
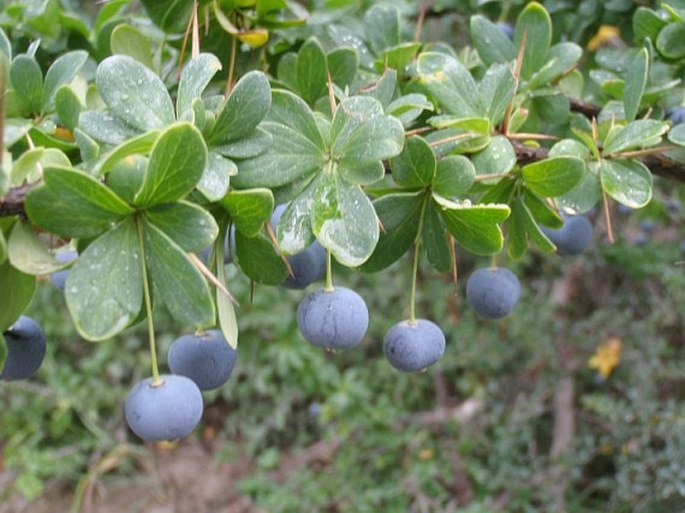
x: 344, y: 220
x: 677, y: 135
x: 297, y: 149
x: 249, y: 209
x: 68, y: 107
x: 195, y: 77
x: 28, y: 253
x: 435, y: 240
x: 104, y: 287
x: 134, y: 93
x: 60, y: 73
x: 243, y: 110
x: 216, y: 176
x: 585, y: 194
x: 294, y: 229
x: 415, y: 166
x: 181, y: 286
x: 128, y: 40
x: 475, y: 227
x: 22, y: 286
x: 450, y: 83
x: 453, y: 176
x: 311, y: 71
x: 176, y: 164
x: 224, y: 306
x: 106, y: 128
x: 74, y: 204
x: 27, y: 81
x: 553, y: 176
x: 188, y: 225
x: 497, y: 158
x: 400, y: 215
x: 535, y: 23
x: 561, y: 58
x: 492, y: 43
x: 522, y: 229
x: 637, y: 134
x: 250, y: 146
x: 343, y: 63
x: 670, y: 41
x: 259, y: 260
x: 382, y: 27
x: 140, y: 144
x: 627, y: 181
x: 635, y: 83
x: 497, y: 89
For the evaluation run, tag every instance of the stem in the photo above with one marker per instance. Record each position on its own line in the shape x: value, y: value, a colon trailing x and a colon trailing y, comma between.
x: 607, y: 212
x: 453, y: 138
x: 420, y: 21
x: 195, y: 48
x: 412, y: 296
x: 490, y: 176
x: 329, y: 272
x: 231, y: 66
x: 646, y: 151
x: 156, y: 381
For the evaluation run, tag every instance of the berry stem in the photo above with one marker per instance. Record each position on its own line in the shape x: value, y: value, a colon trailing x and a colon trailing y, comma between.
x: 156, y: 381
x: 329, y: 271
x: 415, y: 271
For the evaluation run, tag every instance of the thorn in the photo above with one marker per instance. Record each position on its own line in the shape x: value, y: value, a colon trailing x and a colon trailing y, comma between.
x: 272, y: 236
x: 200, y: 265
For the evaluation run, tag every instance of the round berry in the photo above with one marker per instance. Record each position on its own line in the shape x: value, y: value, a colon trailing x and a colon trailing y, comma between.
x: 573, y: 237
x: 493, y: 292
x: 413, y: 346
x: 167, y: 411
x: 25, y: 349
x: 308, y: 266
x: 676, y: 114
x: 334, y: 319
x: 205, y: 358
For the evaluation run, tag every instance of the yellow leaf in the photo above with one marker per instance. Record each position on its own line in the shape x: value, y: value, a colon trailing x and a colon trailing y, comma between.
x: 255, y: 38
x: 606, y: 357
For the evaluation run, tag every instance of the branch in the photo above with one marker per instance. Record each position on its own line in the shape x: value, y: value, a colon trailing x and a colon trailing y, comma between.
x: 12, y: 203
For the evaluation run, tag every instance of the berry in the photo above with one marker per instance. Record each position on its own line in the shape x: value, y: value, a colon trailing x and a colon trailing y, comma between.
x: 308, y: 266
x: 414, y: 346
x: 573, y: 237
x: 506, y: 28
x: 335, y: 319
x: 493, y: 292
x: 59, y: 278
x: 168, y: 411
x: 676, y: 114
x: 205, y: 358
x: 25, y: 349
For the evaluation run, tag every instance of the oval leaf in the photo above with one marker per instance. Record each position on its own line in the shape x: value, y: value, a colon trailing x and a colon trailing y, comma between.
x: 627, y: 181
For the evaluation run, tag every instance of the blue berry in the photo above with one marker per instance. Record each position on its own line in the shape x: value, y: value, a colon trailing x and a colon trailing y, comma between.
x: 167, y: 411
x: 205, y: 358
x: 676, y: 114
x: 573, y: 237
x: 25, y: 349
x: 335, y: 319
x: 493, y: 292
x: 414, y: 346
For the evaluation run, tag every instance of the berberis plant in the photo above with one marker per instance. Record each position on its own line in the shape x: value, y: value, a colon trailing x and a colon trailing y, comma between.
x: 136, y: 153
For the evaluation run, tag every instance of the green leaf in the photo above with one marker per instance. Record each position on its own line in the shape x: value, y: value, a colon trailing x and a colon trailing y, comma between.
x: 453, y: 176
x: 126, y: 177
x: 74, y: 204
x: 134, y: 93
x: 382, y: 27
x: 106, y: 128
x: 195, y: 77
x: 497, y: 89
x: 636, y: 134
x: 635, y: 83
x: 522, y: 229
x: 68, y: 107
x: 128, y: 40
x: 243, y: 110
x: 585, y: 194
x: 344, y: 220
x: 435, y: 240
x: 297, y: 149
x: 561, y: 59
x: 400, y: 215
x: 415, y: 166
x: 188, y: 225
x: 677, y: 134
x: 3, y: 352
x: 475, y: 227
x: 647, y: 24
x: 22, y: 287
x: 671, y: 41
x: 249, y: 209
x: 553, y: 176
x: 5, y: 45
x: 140, y: 144
x: 361, y: 133
x: 497, y: 158
x: 28, y: 253
x: 543, y: 213
x: 224, y: 306
x: 176, y: 164
x: 294, y: 231
x: 170, y: 16
x: 398, y: 57
x: 104, y: 288
x: 30, y: 164
x: 383, y: 89
x: 408, y: 107
x: 259, y: 260
x: 181, y: 286
x: 61, y: 72
x: 492, y: 44
x: 27, y: 81
x: 343, y: 64
x: 312, y: 70
x: 450, y: 83
x: 216, y: 176
x: 627, y: 181
x: 252, y: 145
x: 535, y: 23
